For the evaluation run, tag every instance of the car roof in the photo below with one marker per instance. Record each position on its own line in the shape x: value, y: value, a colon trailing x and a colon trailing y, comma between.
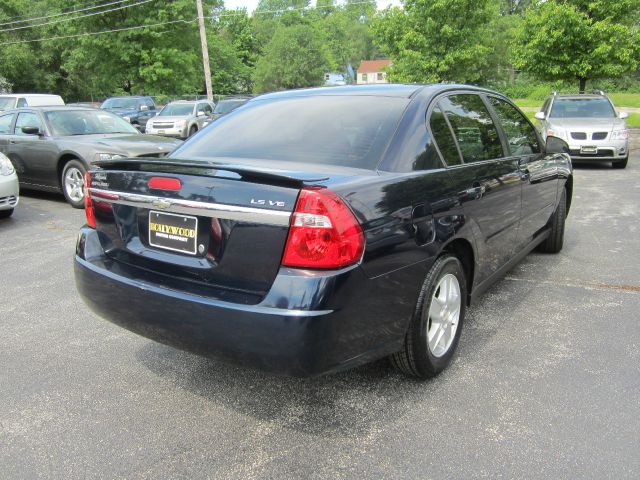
x: 398, y: 90
x: 581, y: 97
x: 42, y: 108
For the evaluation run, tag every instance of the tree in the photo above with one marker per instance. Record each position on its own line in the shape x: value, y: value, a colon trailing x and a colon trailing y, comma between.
x: 295, y: 57
x: 579, y: 39
x: 436, y: 40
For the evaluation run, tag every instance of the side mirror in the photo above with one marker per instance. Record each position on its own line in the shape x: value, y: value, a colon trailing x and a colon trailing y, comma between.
x: 623, y: 115
x: 556, y: 145
x: 144, y: 108
x: 200, y: 113
x: 30, y: 130
x: 540, y: 115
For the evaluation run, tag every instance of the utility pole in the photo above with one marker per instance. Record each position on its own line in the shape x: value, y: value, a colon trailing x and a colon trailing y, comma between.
x: 205, y: 50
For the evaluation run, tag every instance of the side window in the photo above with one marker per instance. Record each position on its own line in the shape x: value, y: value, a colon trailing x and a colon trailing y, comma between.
x: 5, y: 122
x: 21, y: 103
x: 208, y: 108
x: 27, y: 119
x: 149, y: 103
x: 473, y: 127
x: 520, y: 134
x: 443, y: 137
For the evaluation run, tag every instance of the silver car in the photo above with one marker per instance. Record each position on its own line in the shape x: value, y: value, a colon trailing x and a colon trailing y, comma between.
x: 181, y: 118
x: 589, y: 124
x: 9, y: 188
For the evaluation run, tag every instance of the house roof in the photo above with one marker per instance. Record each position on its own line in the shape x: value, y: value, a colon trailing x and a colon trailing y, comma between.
x: 373, y: 66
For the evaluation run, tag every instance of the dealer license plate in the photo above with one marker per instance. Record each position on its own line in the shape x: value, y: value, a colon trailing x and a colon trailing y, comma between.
x: 586, y: 149
x: 173, y: 232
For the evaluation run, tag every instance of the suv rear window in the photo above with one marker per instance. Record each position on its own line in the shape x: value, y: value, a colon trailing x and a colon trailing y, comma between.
x: 329, y: 130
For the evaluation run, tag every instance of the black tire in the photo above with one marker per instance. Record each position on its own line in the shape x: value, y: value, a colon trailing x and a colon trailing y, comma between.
x: 192, y: 130
x: 555, y: 240
x: 6, y: 213
x: 416, y: 358
x: 620, y: 163
x: 75, y: 195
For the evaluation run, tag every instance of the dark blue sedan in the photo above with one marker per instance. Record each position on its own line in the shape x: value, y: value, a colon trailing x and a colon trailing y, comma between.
x: 312, y: 231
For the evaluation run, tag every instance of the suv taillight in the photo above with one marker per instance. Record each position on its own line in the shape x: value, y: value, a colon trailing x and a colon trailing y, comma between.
x: 324, y: 232
x: 88, y: 204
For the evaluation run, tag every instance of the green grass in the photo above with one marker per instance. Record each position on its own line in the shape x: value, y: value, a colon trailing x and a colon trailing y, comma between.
x: 528, y: 102
x: 621, y: 100
x: 633, y: 120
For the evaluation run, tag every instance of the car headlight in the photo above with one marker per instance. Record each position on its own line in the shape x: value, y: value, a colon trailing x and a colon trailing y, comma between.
x: 6, y: 167
x: 108, y: 156
x: 127, y: 119
x: 620, y: 134
x: 556, y: 132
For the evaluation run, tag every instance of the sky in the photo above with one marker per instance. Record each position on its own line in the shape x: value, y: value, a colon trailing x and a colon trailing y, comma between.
x: 251, y: 4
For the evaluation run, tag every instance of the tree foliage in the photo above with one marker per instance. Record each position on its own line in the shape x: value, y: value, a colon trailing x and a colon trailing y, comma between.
x: 579, y: 39
x: 437, y: 40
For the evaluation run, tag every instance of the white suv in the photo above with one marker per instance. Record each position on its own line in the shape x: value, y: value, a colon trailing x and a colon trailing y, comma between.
x: 589, y: 124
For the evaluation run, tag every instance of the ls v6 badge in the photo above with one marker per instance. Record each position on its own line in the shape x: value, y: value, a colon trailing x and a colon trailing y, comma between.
x: 271, y: 203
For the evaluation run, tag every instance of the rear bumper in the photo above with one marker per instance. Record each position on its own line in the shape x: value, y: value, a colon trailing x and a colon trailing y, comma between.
x: 308, y: 323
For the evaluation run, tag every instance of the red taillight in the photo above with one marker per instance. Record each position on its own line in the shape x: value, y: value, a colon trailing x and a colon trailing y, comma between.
x: 324, y: 233
x: 88, y: 205
x: 165, y: 183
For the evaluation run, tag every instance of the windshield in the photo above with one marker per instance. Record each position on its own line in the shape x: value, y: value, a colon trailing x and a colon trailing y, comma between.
x: 329, y: 130
x: 120, y: 103
x: 225, y: 106
x: 582, y: 108
x: 177, y: 110
x: 86, y: 122
x: 7, y: 102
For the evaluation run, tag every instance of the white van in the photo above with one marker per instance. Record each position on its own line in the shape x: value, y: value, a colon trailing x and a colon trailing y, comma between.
x: 17, y: 100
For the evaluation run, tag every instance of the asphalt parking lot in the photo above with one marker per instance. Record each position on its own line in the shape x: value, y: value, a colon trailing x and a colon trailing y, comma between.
x: 546, y: 383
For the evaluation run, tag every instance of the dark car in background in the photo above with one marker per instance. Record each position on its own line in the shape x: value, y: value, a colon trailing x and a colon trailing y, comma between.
x: 52, y: 147
x: 135, y: 110
x: 312, y: 231
x: 225, y: 106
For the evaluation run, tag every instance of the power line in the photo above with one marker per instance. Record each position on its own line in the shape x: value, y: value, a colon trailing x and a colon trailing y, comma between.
x: 69, y: 19
x: 138, y: 27
x: 24, y: 18
x: 86, y: 34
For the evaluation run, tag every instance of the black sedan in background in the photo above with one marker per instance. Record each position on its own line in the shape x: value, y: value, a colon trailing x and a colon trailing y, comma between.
x: 316, y: 230
x: 52, y: 147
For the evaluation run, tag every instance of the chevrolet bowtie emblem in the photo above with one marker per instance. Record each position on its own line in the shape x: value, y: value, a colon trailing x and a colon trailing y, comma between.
x: 161, y: 203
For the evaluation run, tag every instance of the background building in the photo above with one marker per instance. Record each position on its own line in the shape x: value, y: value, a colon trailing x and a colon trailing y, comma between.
x: 371, y: 71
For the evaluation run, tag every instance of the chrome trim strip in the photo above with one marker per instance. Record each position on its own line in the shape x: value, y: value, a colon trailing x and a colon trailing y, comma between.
x: 189, y: 207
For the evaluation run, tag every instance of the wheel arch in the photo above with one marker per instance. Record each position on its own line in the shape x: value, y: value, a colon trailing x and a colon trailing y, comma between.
x: 463, y: 250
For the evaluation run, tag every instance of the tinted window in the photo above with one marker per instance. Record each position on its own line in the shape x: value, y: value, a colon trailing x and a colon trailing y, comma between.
x: 582, y: 108
x: 331, y: 130
x: 5, y: 122
x: 21, y: 103
x: 473, y: 128
x: 520, y: 134
x: 443, y: 137
x: 225, y: 106
x: 27, y: 119
x: 120, y: 103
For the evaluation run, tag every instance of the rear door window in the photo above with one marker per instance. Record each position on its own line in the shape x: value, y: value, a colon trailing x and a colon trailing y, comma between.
x: 473, y: 127
x: 443, y: 137
x: 521, y: 135
x: 5, y: 122
x: 27, y: 119
x: 21, y: 103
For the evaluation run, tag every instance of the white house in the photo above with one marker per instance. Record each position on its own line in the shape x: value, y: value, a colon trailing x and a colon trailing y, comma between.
x: 371, y: 71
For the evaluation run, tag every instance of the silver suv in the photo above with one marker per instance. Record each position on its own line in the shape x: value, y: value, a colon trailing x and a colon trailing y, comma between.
x: 589, y: 124
x: 181, y: 118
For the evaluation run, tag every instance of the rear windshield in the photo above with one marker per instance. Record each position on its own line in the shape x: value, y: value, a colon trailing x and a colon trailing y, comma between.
x: 121, y: 103
x: 582, y: 108
x: 177, y: 110
x: 330, y: 130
